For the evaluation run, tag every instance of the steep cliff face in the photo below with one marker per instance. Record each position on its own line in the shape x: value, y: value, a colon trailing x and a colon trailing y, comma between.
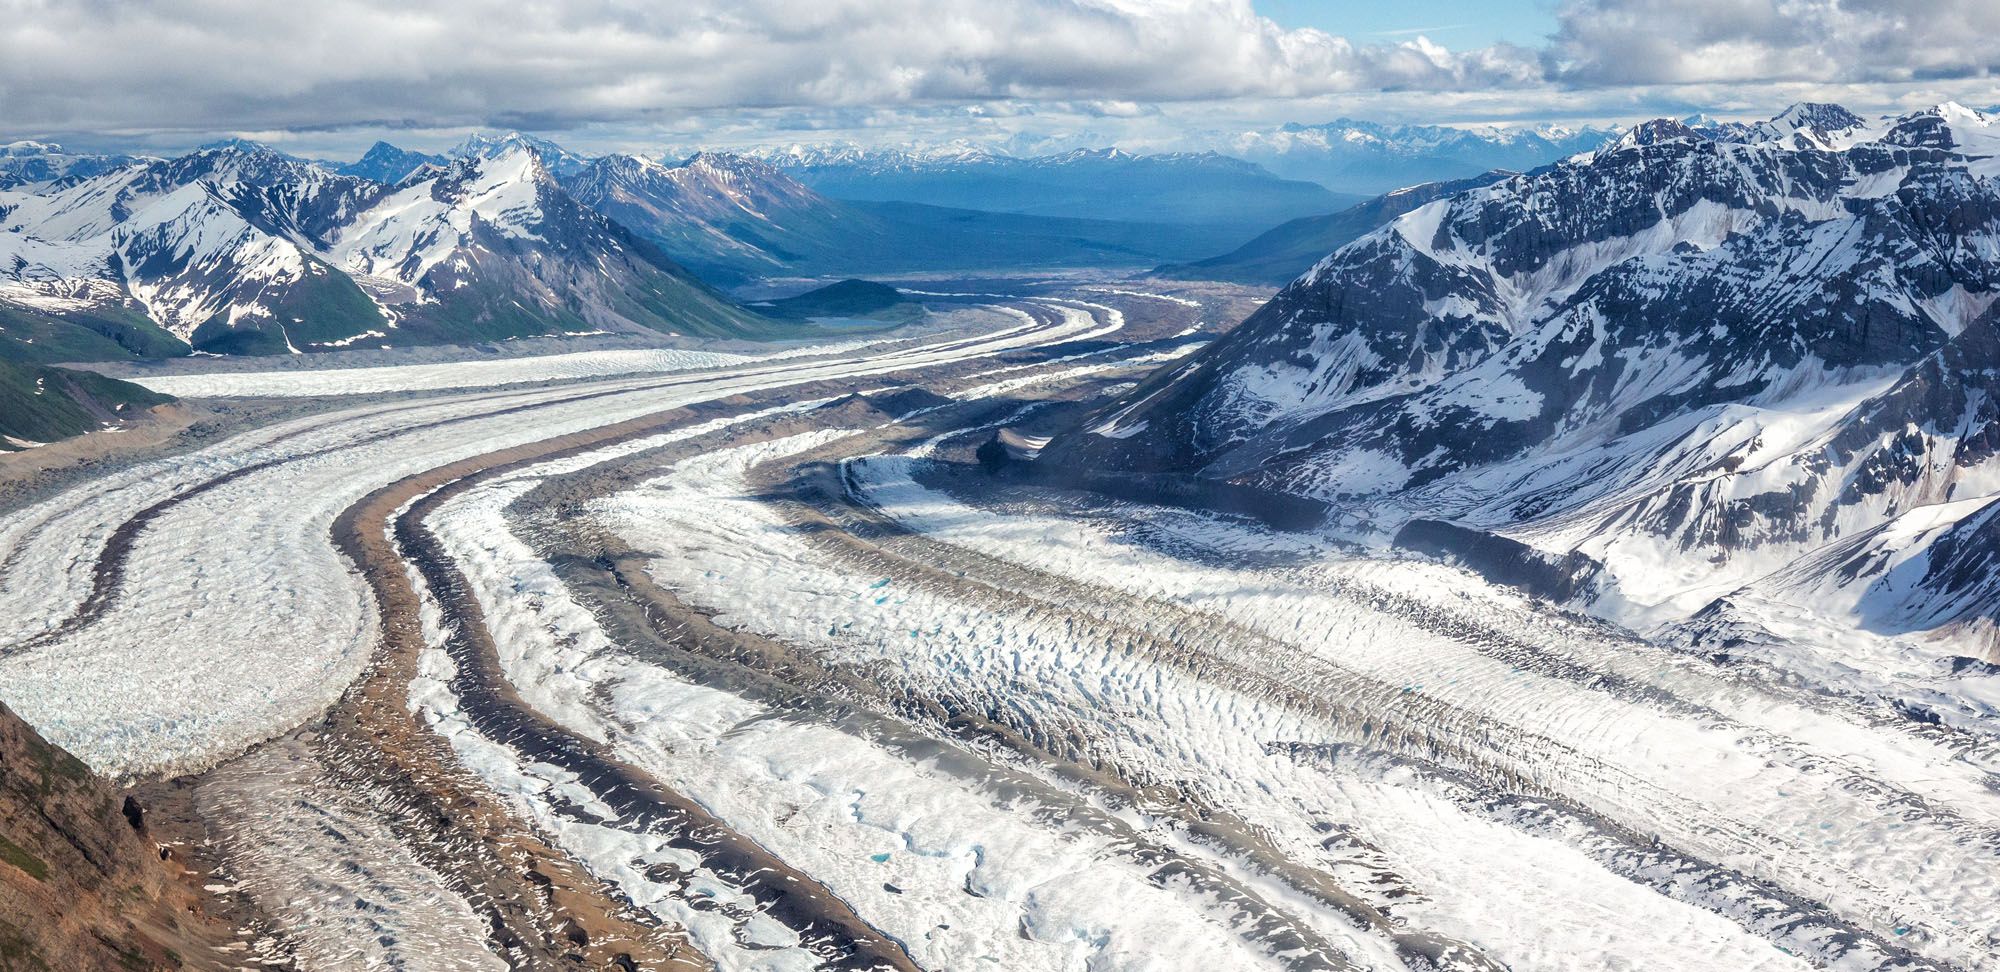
x: 83, y: 886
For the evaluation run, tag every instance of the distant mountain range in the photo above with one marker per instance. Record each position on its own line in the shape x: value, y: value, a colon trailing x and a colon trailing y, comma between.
x: 1281, y: 254
x: 732, y: 218
x: 237, y: 248
x: 1105, y: 184
x: 26, y: 163
x: 1360, y: 157
x: 1695, y: 371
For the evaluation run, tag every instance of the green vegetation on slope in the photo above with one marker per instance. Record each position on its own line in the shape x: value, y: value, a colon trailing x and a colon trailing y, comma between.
x: 96, y: 335
x: 673, y: 301
x: 324, y: 306
x: 42, y: 404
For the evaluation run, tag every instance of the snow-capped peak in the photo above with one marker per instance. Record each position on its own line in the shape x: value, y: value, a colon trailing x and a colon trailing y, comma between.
x: 29, y: 149
x: 481, y: 145
x: 729, y: 162
x: 246, y: 146
x: 1653, y: 133
x: 1952, y: 111
x: 1815, y: 125
x: 426, y: 221
x: 1951, y: 126
x: 1815, y: 116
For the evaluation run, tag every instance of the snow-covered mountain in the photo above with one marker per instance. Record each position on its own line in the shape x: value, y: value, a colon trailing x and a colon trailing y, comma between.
x: 1692, y: 373
x: 241, y: 249
x: 1803, y: 125
x: 494, y: 247
x: 560, y: 161
x: 213, y: 247
x: 854, y: 155
x: 1347, y: 155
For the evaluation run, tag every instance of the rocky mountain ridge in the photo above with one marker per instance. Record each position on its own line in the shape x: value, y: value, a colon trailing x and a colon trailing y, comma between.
x: 240, y: 249
x: 1718, y: 366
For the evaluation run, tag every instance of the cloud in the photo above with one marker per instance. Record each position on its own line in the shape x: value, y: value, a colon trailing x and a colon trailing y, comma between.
x: 161, y: 64
x: 163, y: 72
x: 1616, y: 42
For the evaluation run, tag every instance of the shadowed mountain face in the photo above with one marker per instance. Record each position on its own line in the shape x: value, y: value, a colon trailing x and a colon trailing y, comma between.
x: 242, y: 250
x: 385, y: 163
x: 726, y: 216
x: 1725, y: 349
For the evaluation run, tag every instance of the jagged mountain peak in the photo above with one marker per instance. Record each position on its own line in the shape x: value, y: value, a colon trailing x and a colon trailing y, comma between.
x: 1949, y: 126
x: 246, y: 146
x: 711, y: 207
x: 389, y: 164
x: 1654, y: 132
x: 1816, y: 116
x: 731, y: 162
x: 1954, y: 111
x: 559, y: 160
x: 482, y: 144
x: 1814, y: 125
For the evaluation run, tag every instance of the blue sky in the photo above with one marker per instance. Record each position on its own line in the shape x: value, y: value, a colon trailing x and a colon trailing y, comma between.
x: 1453, y: 23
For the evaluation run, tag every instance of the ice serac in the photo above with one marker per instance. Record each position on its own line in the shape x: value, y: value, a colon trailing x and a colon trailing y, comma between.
x: 1757, y: 365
